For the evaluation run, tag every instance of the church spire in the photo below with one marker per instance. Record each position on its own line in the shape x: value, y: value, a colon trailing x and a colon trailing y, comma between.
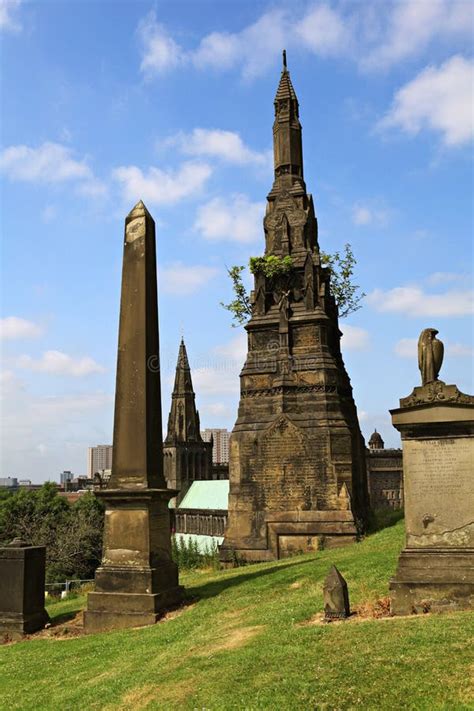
x: 183, y: 421
x: 287, y: 144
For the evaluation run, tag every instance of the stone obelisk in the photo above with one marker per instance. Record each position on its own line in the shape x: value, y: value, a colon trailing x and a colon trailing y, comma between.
x: 137, y: 578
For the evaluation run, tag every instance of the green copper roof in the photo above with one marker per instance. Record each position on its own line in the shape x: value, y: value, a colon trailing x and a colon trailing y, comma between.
x: 207, y: 495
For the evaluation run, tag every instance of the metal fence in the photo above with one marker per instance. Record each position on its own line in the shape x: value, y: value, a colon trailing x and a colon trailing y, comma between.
x: 62, y: 590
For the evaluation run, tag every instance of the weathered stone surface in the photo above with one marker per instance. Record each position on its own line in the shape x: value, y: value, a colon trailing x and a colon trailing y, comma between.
x: 436, y: 569
x: 137, y: 578
x: 296, y: 447
x: 22, y: 589
x: 335, y: 596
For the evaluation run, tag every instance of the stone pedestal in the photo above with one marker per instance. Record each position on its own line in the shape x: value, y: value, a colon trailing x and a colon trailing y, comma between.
x: 22, y: 586
x: 436, y: 568
x: 137, y: 579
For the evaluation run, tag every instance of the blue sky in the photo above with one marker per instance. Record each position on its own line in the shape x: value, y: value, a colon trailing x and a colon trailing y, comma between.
x: 107, y: 102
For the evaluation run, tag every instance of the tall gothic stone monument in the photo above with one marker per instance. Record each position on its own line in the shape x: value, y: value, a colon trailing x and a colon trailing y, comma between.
x: 186, y: 456
x: 297, y: 456
x: 137, y: 577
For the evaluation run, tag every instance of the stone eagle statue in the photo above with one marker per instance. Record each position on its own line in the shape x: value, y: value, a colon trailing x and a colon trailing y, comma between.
x: 430, y: 355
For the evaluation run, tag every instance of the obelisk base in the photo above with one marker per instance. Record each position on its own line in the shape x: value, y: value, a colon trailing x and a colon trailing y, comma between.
x: 137, y: 580
x: 433, y: 581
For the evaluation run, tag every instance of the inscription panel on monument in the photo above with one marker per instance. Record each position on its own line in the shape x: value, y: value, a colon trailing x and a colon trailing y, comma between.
x: 439, y: 492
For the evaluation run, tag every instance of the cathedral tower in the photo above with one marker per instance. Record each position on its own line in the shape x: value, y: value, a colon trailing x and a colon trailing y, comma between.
x: 297, y: 456
x: 186, y: 456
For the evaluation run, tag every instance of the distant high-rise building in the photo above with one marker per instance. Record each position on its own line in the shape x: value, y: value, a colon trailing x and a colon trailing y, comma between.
x: 8, y: 482
x: 220, y: 440
x: 99, y: 458
x: 65, y: 477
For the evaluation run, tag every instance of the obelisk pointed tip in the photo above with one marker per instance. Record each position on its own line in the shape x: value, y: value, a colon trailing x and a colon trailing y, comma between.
x: 140, y: 210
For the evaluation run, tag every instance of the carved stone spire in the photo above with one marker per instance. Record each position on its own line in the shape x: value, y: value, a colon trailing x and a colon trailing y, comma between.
x: 287, y: 144
x: 183, y: 421
x: 297, y: 456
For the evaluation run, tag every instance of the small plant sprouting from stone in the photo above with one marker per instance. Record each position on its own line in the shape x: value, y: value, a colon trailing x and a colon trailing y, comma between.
x: 271, y: 266
x: 345, y: 292
x: 341, y: 265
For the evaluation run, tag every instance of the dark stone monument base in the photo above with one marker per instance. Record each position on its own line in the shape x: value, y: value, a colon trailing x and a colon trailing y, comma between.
x: 22, y: 585
x: 435, y: 580
x: 15, y: 626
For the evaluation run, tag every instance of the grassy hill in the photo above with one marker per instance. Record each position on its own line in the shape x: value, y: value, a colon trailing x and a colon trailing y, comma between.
x: 250, y: 641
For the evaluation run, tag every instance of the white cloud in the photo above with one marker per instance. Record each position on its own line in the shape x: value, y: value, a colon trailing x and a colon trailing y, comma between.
x: 92, y: 188
x: 59, y: 426
x: 323, y: 31
x: 413, y: 301
x: 159, y: 50
x: 160, y: 187
x: 254, y: 49
x: 234, y: 350
x: 216, y: 409
x: 184, y: 279
x: 363, y: 215
x: 218, y: 380
x: 49, y: 213
x: 58, y: 363
x: 226, y: 145
x: 459, y: 349
x: 233, y: 219
x: 49, y: 163
x: 440, y: 99
x: 13, y: 327
x: 219, y: 50
x: 8, y: 15
x: 446, y: 278
x: 374, y: 35
x: 354, y: 338
x: 413, y: 25
x: 408, y: 347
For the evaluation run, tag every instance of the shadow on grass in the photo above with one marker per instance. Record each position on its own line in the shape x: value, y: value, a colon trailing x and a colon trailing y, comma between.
x: 63, y: 617
x: 216, y: 587
x: 384, y: 518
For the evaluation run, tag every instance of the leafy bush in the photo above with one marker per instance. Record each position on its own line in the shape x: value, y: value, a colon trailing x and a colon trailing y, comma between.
x: 187, y: 556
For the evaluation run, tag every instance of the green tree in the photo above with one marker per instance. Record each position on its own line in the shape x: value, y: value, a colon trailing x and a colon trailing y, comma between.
x: 72, y: 534
x: 346, y: 293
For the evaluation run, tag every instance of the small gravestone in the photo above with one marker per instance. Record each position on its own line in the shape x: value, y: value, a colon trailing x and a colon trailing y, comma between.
x: 22, y: 581
x: 336, y: 596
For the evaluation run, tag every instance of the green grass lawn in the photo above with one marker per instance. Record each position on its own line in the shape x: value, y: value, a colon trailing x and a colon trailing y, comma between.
x: 245, y: 643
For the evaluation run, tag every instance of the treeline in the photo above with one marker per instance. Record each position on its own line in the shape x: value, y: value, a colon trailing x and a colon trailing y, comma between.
x: 72, y: 533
